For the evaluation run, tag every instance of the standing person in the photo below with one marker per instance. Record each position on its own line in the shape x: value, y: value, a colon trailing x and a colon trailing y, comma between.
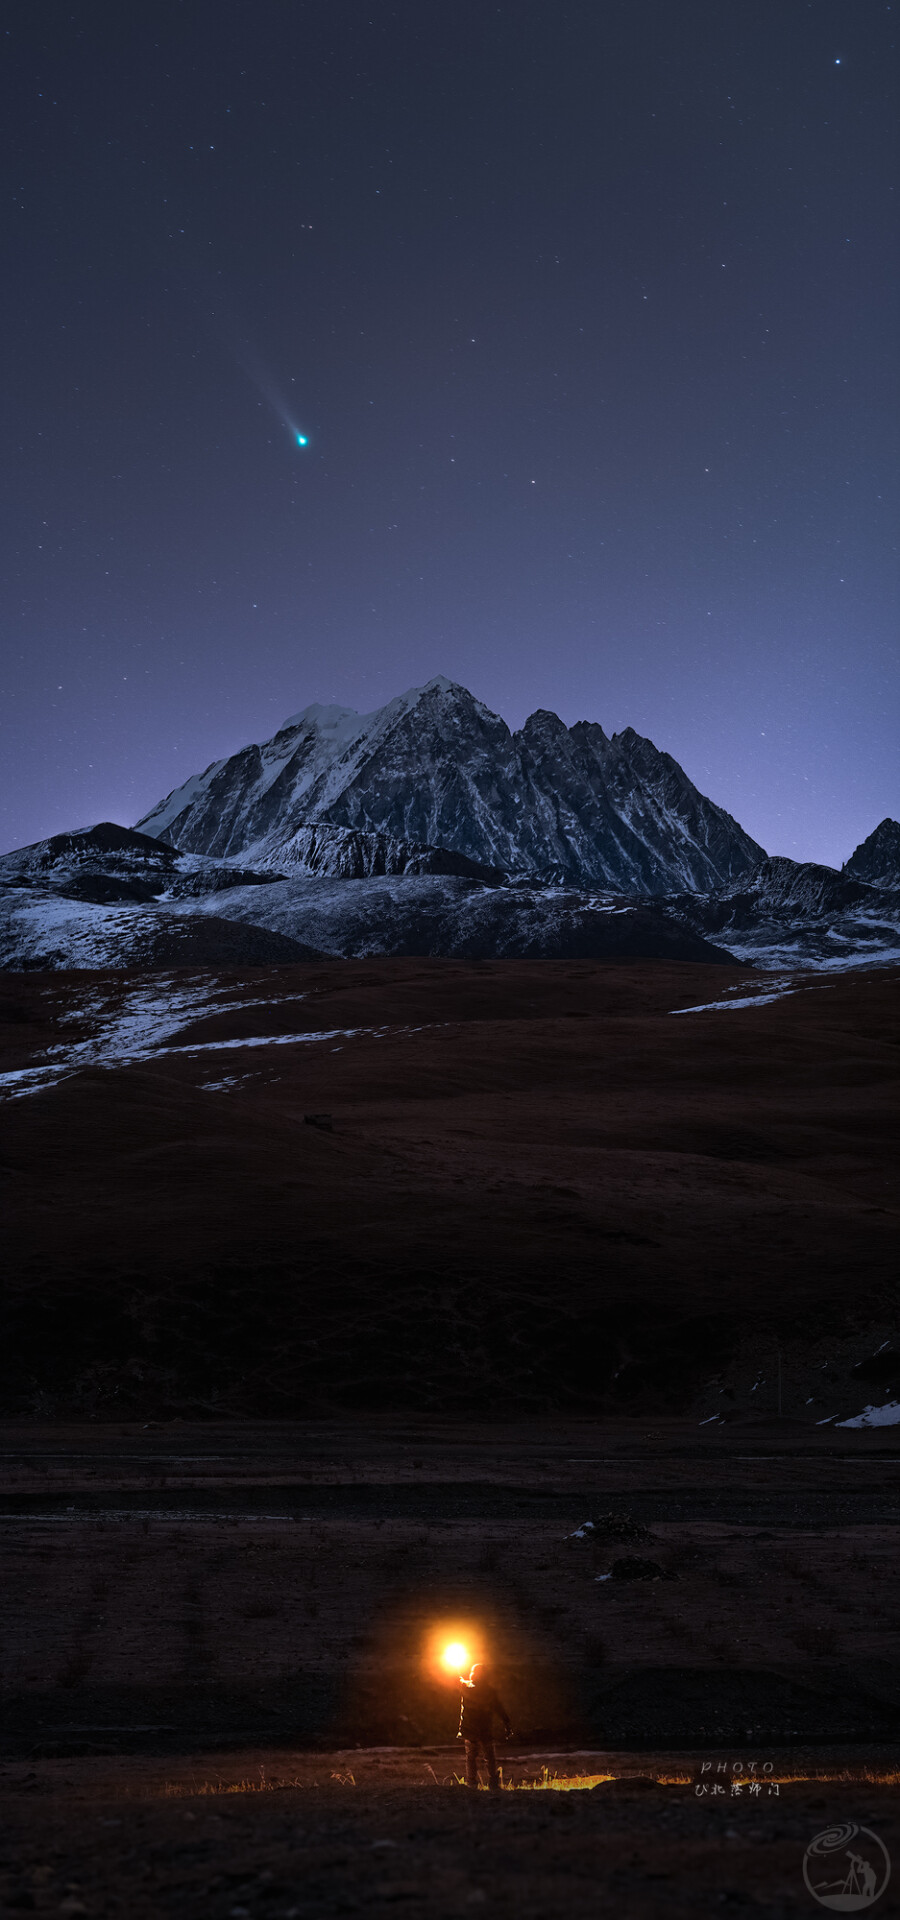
x: 479, y: 1707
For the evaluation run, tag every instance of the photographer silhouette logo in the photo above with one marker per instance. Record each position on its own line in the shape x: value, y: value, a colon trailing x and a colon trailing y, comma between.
x: 846, y: 1868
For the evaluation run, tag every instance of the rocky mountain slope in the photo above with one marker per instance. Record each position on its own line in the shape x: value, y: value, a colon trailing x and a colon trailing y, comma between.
x: 431, y: 914
x: 436, y: 767
x: 877, y: 859
x: 90, y: 899
x: 790, y: 910
x: 795, y: 889
x: 98, y: 864
x: 109, y: 896
x: 349, y: 853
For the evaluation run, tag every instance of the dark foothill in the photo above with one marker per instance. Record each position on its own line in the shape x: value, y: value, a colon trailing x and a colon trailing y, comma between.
x: 633, y: 1568
x: 883, y: 1367
x: 621, y: 1526
x: 488, y: 1150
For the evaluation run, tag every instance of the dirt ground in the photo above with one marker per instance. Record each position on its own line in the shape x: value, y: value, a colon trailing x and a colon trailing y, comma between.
x: 538, y: 1186
x: 256, y: 1836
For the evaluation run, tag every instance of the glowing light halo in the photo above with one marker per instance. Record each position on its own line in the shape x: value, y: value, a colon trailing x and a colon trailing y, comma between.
x: 456, y: 1656
x: 451, y: 1646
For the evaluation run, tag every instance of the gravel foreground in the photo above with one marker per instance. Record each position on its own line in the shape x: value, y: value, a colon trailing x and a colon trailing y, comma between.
x: 282, y: 1836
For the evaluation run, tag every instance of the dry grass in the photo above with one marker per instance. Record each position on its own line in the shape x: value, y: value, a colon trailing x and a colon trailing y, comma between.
x: 192, y: 1788
x: 542, y: 1782
x: 558, y: 1782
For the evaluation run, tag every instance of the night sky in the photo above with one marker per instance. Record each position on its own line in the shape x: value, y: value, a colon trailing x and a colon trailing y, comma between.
x: 588, y: 312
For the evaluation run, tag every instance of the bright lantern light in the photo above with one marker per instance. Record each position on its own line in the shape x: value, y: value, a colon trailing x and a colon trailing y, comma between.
x: 451, y: 1646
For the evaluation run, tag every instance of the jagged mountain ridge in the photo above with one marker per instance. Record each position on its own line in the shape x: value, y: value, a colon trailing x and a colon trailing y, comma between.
x: 794, y: 889
x: 107, y: 862
x: 789, y: 911
x: 877, y: 859
x: 349, y: 853
x: 436, y: 767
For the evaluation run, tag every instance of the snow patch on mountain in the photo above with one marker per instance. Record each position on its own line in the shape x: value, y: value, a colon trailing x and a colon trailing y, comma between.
x: 886, y: 1416
x: 781, y: 990
x: 45, y: 931
x: 790, y: 912
x: 144, y: 1022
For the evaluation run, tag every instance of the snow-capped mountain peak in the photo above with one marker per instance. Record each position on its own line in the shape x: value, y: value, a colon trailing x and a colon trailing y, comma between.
x: 435, y: 766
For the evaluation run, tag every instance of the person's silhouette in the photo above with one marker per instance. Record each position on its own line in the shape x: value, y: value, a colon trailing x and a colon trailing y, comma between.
x: 479, y: 1707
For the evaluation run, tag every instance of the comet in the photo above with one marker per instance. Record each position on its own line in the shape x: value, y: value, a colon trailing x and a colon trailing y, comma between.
x: 269, y: 390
